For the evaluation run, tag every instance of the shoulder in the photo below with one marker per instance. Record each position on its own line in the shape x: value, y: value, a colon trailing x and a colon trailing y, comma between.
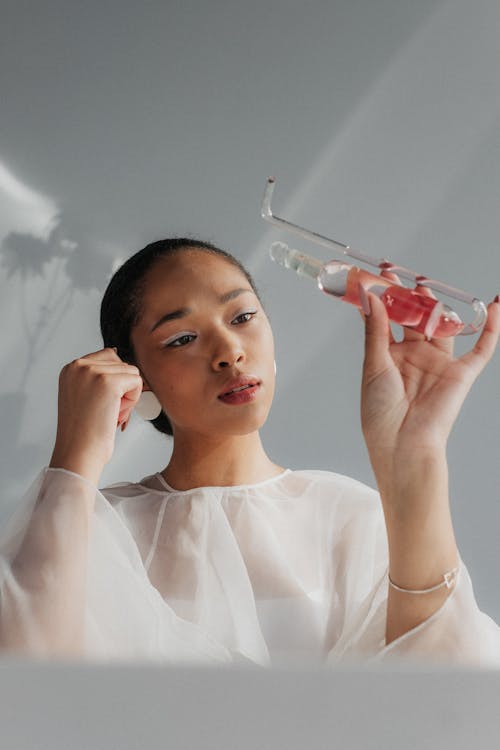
x: 119, y: 491
x: 333, y: 491
x: 350, y: 510
x: 330, y: 480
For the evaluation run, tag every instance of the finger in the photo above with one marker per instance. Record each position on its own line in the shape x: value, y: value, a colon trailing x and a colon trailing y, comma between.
x: 132, y: 395
x: 487, y: 342
x: 103, y: 355
x: 392, y: 340
x: 408, y: 334
x: 128, y: 403
x: 104, y: 366
x: 366, y: 305
x: 446, y: 344
x: 425, y: 291
x: 390, y: 276
x: 378, y: 336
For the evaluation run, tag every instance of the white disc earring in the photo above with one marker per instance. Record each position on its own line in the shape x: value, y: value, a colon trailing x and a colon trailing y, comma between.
x: 148, y: 406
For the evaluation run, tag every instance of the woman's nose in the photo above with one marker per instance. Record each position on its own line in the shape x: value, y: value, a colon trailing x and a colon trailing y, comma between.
x: 228, y: 352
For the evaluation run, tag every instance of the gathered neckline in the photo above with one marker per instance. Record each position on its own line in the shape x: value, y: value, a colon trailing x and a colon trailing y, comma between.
x: 226, y: 487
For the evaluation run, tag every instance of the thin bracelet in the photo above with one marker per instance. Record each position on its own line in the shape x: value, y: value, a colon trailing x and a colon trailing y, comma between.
x: 449, y: 580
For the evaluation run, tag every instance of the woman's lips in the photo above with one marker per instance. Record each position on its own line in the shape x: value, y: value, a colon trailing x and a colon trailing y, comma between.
x: 244, y: 396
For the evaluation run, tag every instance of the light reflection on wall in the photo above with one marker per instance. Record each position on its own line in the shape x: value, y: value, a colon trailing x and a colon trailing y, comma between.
x: 45, y: 264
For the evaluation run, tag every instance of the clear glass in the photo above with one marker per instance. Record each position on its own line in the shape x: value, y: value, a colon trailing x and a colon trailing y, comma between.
x: 407, y: 307
x: 434, y: 318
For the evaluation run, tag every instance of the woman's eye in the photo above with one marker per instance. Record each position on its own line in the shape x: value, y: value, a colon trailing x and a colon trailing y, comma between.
x: 244, y: 317
x: 181, y: 340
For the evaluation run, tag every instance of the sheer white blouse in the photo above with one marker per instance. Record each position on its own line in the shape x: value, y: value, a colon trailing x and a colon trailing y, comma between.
x: 292, y: 569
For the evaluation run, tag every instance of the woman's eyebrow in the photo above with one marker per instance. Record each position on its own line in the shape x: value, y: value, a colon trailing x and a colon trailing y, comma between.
x: 171, y: 316
x: 182, y: 312
x: 232, y: 294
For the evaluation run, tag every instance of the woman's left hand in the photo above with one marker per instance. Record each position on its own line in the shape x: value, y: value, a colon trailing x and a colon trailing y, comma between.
x: 412, y: 390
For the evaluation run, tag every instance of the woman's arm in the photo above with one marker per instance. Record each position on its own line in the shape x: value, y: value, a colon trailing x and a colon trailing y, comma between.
x: 412, y: 392
x: 421, y: 540
x: 42, y: 581
x: 43, y: 584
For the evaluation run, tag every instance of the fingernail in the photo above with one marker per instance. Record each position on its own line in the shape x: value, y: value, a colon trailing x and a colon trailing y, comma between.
x: 497, y: 298
x: 363, y: 298
x: 124, y: 426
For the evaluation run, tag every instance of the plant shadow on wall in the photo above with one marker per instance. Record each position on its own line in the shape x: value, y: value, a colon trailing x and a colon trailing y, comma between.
x: 65, y: 262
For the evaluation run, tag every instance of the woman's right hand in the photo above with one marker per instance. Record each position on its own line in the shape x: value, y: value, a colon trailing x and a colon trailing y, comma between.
x: 97, y: 393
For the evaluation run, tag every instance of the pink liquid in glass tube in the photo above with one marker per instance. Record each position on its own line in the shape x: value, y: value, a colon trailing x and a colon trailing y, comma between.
x: 404, y: 306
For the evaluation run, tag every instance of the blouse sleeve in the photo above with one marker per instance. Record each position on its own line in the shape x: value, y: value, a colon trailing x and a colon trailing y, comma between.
x: 458, y: 633
x: 64, y: 570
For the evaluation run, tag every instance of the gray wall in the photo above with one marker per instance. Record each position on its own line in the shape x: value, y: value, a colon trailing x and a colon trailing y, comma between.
x: 126, y: 122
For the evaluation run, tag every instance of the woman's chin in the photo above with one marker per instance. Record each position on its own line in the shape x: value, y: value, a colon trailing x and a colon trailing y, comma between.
x: 242, y: 426
x: 234, y: 422
x: 236, y: 425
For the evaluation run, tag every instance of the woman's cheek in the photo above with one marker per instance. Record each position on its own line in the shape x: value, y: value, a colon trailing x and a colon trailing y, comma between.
x: 266, y: 343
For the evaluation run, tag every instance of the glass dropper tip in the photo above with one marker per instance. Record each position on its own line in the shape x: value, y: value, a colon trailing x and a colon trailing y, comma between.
x: 279, y: 252
x: 303, y: 265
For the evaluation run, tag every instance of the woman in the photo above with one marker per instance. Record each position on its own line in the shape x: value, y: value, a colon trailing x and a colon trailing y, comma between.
x: 225, y: 555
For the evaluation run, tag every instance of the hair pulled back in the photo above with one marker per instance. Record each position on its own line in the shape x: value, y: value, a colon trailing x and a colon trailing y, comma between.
x: 122, y: 303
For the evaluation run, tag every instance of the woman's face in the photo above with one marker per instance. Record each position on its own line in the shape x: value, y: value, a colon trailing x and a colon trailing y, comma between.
x: 215, y: 338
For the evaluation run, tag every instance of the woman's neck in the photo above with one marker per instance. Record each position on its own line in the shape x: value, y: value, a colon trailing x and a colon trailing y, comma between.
x: 205, y: 462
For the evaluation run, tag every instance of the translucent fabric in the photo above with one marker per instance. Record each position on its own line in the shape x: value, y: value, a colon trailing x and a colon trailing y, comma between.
x: 292, y: 569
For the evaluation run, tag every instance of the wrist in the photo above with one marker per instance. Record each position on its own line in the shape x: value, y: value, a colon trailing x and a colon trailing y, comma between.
x: 79, y: 463
x: 413, y: 488
x: 404, y: 466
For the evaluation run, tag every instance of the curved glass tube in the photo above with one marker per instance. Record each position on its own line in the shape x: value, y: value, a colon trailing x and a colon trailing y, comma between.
x: 304, y: 265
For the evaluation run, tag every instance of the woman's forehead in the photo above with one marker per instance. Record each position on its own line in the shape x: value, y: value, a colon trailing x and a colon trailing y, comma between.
x: 189, y: 273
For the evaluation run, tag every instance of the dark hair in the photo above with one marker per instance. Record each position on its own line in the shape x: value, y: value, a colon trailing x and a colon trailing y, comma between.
x: 122, y: 303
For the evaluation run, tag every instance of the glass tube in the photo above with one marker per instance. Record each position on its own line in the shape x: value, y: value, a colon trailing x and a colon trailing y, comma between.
x: 407, y: 307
